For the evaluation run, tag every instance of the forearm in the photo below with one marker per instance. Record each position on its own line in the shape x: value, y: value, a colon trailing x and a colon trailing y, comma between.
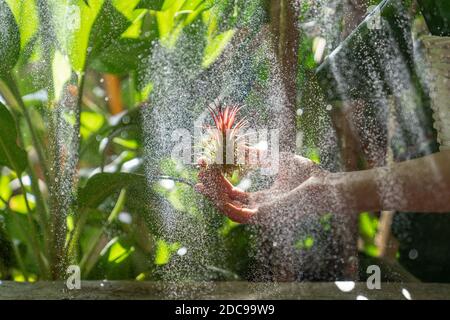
x: 421, y: 185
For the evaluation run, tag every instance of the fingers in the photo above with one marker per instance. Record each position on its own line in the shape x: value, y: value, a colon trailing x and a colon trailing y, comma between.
x: 215, y: 182
x: 231, y: 208
x: 239, y: 214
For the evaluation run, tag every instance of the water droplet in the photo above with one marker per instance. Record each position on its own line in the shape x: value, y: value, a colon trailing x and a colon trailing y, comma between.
x: 361, y: 298
x: 413, y: 254
x: 126, y: 120
x: 406, y: 294
x: 125, y: 217
x: 182, y: 251
x: 167, y: 184
x: 345, y: 286
x: 245, y: 184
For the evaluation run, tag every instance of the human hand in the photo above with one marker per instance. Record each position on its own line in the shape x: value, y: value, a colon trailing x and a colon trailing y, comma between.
x: 295, y: 174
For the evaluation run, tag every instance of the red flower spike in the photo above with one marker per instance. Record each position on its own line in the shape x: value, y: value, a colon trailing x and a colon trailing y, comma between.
x: 226, y: 133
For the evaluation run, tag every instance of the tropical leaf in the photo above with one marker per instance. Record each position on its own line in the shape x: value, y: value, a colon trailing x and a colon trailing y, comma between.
x: 10, y: 39
x: 216, y: 45
x: 11, y: 155
x: 85, y: 30
x: 109, y: 26
x: 123, y: 56
x: 26, y: 14
x: 155, y: 5
x: 102, y: 185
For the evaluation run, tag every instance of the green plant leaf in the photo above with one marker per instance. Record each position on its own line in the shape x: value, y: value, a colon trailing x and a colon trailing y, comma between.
x: 123, y: 56
x: 102, y: 185
x: 216, y: 46
x: 368, y: 225
x: 164, y: 251
x: 109, y: 26
x: 26, y: 14
x: 117, y: 253
x: 11, y: 155
x: 85, y: 30
x: 18, y: 204
x: 91, y: 122
x: 175, y: 15
x: 10, y: 39
x: 155, y: 5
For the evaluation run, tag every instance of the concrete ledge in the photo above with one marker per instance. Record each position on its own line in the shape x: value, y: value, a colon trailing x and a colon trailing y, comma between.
x: 220, y: 290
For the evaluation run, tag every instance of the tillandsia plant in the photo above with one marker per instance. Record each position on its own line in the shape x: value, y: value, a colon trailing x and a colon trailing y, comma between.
x: 224, y: 144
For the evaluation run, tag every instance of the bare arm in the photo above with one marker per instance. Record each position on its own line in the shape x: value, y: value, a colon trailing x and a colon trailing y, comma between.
x: 420, y: 185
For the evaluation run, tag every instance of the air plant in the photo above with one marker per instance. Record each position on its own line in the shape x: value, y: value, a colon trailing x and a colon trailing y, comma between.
x: 223, y: 143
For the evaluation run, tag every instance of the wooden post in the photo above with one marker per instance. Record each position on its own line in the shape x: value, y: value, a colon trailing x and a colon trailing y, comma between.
x: 284, y: 26
x: 384, y: 240
x: 351, y: 151
x: 114, y: 93
x: 285, y: 35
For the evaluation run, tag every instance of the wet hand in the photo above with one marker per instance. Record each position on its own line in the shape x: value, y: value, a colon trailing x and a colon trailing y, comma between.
x: 295, y: 174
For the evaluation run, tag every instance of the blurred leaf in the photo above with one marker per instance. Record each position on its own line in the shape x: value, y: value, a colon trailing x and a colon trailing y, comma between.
x: 62, y: 72
x: 10, y: 39
x: 162, y: 255
x: 5, y: 189
x: 164, y: 251
x: 102, y: 185
x: 238, y: 244
x: 130, y: 122
x: 155, y: 5
x: 86, y: 30
x: 117, y: 253
x: 25, y: 12
x: 123, y: 56
x: 368, y: 225
x: 175, y: 15
x: 91, y: 122
x: 18, y: 204
x: 216, y: 46
x: 18, y: 276
x: 326, y: 221
x: 129, y: 144
x: 111, y: 22
x: 11, y: 155
x: 304, y: 244
x: 313, y: 154
x: 228, y: 226
x: 70, y: 223
x: 371, y: 250
x: 168, y: 32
